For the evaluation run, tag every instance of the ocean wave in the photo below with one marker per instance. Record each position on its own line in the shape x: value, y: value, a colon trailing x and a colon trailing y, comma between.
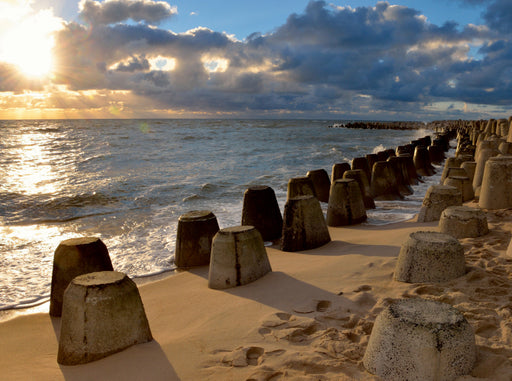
x: 378, y: 148
x: 92, y: 158
x: 82, y: 200
x: 21, y: 209
x: 192, y: 197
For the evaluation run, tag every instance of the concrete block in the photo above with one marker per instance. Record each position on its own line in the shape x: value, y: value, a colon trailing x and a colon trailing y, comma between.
x: 238, y: 257
x: 463, y: 222
x: 102, y: 314
x: 74, y: 257
x: 194, y: 238
x: 428, y: 256
x: 420, y: 340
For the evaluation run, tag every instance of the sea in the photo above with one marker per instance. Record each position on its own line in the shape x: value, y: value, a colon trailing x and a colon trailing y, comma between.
x: 128, y: 181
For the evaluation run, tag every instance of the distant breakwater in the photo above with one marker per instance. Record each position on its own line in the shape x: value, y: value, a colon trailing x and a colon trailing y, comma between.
x: 398, y: 125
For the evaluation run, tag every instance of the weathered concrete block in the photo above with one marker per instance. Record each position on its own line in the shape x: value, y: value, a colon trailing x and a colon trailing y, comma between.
x: 436, y: 154
x: 300, y: 186
x: 321, y: 183
x: 338, y: 170
x: 102, y: 314
x: 422, y: 162
x: 194, y: 238
x: 403, y: 163
x: 420, y: 340
x: 384, y: 184
x: 437, y: 199
x: 496, y: 190
x: 413, y: 176
x: 362, y: 164
x: 508, y: 253
x: 346, y: 206
x: 469, y: 167
x: 405, y: 149
x: 505, y: 148
x: 430, y: 257
x: 456, y: 171
x: 481, y: 159
x: 463, y: 184
x: 238, y: 257
x: 402, y: 181
x: 74, y: 257
x: 364, y: 185
x: 372, y: 159
x: 304, y: 225
x: 451, y: 162
x: 463, y: 222
x: 261, y: 210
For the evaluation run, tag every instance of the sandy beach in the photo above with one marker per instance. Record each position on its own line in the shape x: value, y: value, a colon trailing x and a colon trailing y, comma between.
x: 123, y: 121
x: 310, y: 319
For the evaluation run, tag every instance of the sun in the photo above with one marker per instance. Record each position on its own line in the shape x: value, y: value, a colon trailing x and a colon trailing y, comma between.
x: 28, y: 44
x: 30, y: 53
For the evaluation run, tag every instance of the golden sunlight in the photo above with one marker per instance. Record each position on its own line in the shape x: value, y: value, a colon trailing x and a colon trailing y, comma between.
x: 27, y: 42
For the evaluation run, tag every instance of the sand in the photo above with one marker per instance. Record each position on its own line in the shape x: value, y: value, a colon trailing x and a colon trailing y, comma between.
x: 310, y: 319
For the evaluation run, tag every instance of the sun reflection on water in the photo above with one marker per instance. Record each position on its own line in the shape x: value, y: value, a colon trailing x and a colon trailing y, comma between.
x: 35, y: 166
x: 31, y: 169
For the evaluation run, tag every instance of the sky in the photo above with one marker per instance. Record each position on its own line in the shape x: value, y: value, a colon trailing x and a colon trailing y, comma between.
x: 351, y: 59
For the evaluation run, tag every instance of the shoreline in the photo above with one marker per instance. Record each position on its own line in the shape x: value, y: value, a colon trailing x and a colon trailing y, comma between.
x: 136, y: 215
x: 308, y: 319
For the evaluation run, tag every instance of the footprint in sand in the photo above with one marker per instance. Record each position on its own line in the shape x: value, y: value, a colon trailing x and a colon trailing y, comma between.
x: 265, y: 374
x: 475, y: 274
x: 244, y: 356
x: 429, y: 290
x: 277, y: 319
x: 364, y: 287
x: 313, y: 306
x: 323, y: 305
x: 486, y: 329
x: 253, y: 354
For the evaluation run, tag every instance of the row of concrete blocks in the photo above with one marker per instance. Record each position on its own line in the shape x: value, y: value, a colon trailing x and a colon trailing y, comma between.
x: 101, y: 309
x: 444, y: 203
x: 386, y: 175
x: 484, y: 129
x: 488, y: 178
x: 304, y: 226
x: 419, y: 339
x: 103, y: 314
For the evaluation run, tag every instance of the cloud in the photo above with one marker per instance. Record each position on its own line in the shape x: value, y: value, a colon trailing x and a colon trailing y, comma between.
x: 133, y: 64
x: 318, y: 60
x: 499, y: 16
x: 114, y: 11
x: 384, y: 61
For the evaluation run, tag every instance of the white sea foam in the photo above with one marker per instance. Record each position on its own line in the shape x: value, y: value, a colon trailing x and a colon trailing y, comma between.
x: 378, y: 148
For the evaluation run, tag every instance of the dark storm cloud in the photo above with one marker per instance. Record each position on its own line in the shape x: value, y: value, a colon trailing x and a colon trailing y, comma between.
x: 385, y: 52
x: 134, y: 64
x: 326, y: 58
x: 114, y: 11
x: 499, y: 16
x: 388, y: 52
